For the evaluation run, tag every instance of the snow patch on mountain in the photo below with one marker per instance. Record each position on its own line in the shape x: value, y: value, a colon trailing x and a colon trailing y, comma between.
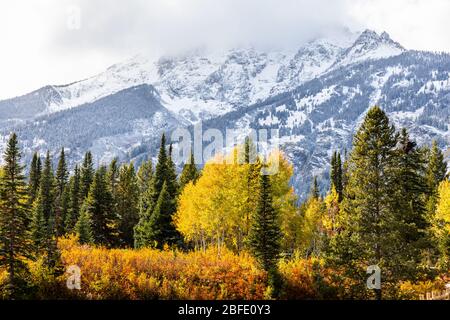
x: 369, y: 46
x: 308, y: 103
x: 203, y: 84
x: 434, y: 87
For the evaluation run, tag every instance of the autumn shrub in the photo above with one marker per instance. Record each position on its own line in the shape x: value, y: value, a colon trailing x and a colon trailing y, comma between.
x: 3, y: 282
x: 154, y: 274
x: 44, y: 282
x: 414, y: 290
x: 298, y: 279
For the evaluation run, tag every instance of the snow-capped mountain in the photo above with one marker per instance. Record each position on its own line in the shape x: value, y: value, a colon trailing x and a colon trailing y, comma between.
x: 315, y: 95
x: 369, y: 46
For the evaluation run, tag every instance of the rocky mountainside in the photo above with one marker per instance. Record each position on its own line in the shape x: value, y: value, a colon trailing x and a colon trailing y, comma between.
x: 316, y: 96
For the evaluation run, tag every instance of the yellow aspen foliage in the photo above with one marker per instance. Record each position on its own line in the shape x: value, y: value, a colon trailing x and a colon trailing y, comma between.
x: 443, y: 206
x: 285, y: 200
x: 216, y: 209
x: 442, y: 218
x: 330, y: 221
x: 312, y: 230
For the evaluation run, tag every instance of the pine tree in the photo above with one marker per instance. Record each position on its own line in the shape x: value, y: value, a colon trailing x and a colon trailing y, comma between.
x: 14, y: 233
x: 83, y: 227
x: 98, y: 207
x: 253, y: 168
x: 367, y: 237
x: 39, y: 232
x: 162, y: 229
x: 113, y: 175
x: 62, y: 174
x: 190, y: 172
x: 61, y: 197
x: 146, y: 181
x: 336, y: 174
x: 145, y: 185
x: 436, y: 171
x: 113, y: 181
x: 410, y: 222
x: 143, y: 233
x: 265, y: 234
x: 171, y: 179
x: 47, y: 189
x: 74, y: 205
x: 46, y: 203
x: 250, y: 152
x: 160, y: 171
x: 165, y: 174
x: 127, y: 199
x: 87, y: 175
x: 34, y: 177
x: 315, y: 193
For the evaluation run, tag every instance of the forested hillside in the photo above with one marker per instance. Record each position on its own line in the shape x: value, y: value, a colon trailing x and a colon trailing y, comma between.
x: 228, y: 231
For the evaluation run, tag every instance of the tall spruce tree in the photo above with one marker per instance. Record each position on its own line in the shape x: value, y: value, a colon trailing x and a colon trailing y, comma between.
x: 14, y: 233
x: 34, y: 177
x: 38, y: 226
x: 189, y: 173
x: 253, y: 168
x: 74, y: 205
x: 336, y: 174
x: 46, y: 203
x: 160, y: 171
x: 171, y: 179
x: 435, y: 173
x: 113, y: 180
x: 113, y: 175
x: 161, y: 227
x: 127, y: 202
x: 410, y: 224
x: 265, y: 233
x: 47, y: 189
x: 315, y: 192
x: 61, y: 194
x: 83, y: 227
x: 98, y: 207
x: 62, y: 174
x: 368, y: 236
x: 145, y: 185
x: 165, y: 174
x: 87, y: 175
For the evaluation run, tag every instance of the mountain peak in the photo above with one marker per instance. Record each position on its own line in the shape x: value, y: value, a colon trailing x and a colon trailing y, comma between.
x: 371, y: 39
x: 369, y: 33
x: 369, y: 46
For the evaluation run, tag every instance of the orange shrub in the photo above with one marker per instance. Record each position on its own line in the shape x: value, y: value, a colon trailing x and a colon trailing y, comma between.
x: 310, y: 279
x: 154, y: 274
x: 411, y: 290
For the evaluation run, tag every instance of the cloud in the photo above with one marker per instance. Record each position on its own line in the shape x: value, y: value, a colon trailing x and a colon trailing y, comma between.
x: 416, y: 24
x: 40, y: 45
x: 171, y: 25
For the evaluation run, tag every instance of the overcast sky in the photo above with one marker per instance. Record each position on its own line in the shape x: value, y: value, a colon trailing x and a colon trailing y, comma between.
x: 60, y: 41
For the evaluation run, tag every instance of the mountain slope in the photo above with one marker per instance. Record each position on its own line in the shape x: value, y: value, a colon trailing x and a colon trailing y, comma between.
x: 316, y: 96
x: 125, y: 124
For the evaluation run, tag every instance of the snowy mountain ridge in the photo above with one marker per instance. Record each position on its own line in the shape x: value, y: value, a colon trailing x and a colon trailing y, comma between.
x: 316, y: 96
x: 199, y: 85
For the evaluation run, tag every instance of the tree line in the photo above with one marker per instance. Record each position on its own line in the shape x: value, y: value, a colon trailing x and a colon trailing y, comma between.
x: 386, y: 206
